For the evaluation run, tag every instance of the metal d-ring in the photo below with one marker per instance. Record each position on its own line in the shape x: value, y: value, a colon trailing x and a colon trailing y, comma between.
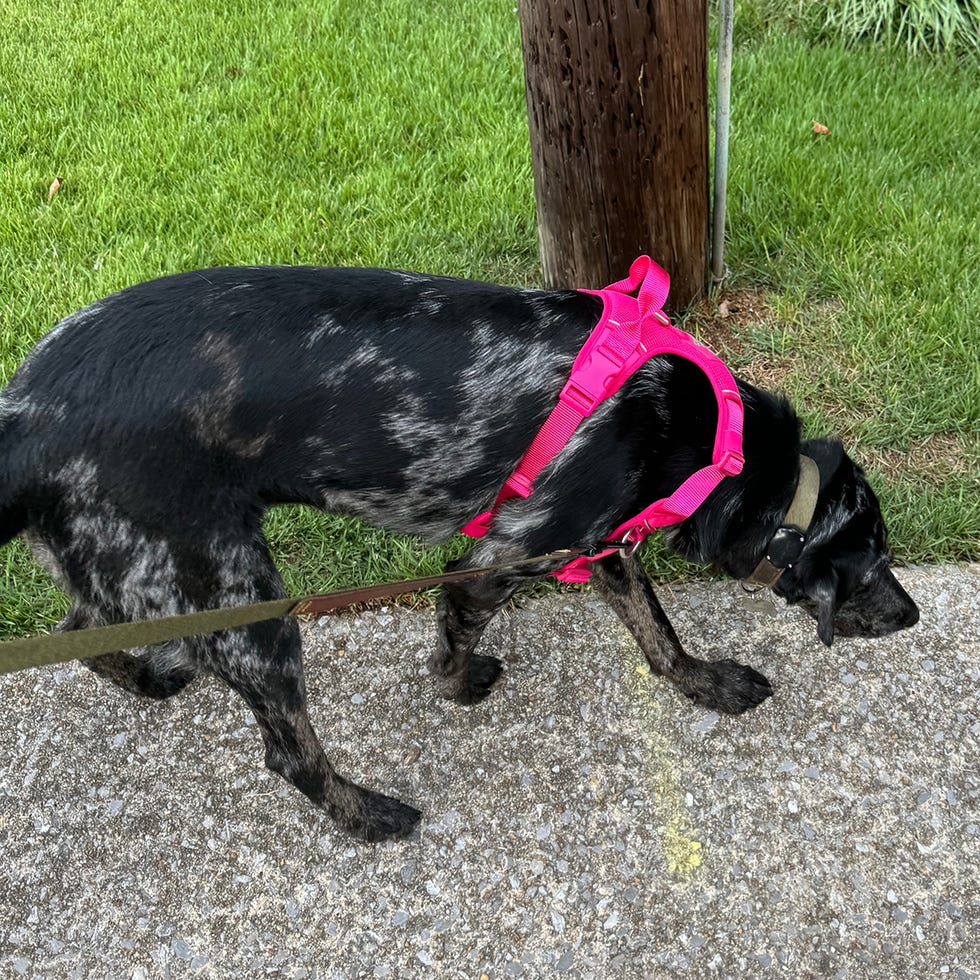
x: 626, y: 546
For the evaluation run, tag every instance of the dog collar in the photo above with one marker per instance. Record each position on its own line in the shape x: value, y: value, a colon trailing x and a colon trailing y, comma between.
x: 787, y: 544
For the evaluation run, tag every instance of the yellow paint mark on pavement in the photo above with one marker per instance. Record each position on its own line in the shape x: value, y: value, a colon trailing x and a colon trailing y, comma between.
x: 682, y: 850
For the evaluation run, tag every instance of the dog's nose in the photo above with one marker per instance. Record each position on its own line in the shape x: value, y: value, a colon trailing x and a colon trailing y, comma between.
x: 911, y: 616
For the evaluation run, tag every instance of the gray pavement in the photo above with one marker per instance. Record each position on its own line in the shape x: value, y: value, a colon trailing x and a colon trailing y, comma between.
x: 586, y: 821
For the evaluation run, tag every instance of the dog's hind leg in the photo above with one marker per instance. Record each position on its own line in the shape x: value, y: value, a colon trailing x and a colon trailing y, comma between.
x: 263, y: 663
x: 723, y: 685
x: 158, y: 671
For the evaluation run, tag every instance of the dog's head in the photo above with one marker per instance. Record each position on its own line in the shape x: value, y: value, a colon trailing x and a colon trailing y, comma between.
x: 842, y: 577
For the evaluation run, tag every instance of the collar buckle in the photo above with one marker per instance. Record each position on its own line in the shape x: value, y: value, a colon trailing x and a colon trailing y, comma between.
x: 785, y: 547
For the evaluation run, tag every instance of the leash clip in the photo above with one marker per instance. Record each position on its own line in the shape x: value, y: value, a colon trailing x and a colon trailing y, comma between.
x: 627, y: 546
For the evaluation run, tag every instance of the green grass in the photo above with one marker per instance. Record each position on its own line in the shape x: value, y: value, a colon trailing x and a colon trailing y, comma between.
x: 918, y: 27
x: 913, y: 25
x: 870, y: 236
x: 395, y: 134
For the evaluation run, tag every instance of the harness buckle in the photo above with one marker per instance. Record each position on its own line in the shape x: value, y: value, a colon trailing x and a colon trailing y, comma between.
x: 588, y: 385
x: 786, y: 546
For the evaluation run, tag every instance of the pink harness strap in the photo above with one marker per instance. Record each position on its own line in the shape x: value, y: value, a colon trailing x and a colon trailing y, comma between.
x: 630, y: 332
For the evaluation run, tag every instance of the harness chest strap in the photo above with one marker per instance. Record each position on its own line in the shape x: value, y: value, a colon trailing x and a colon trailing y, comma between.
x: 630, y: 331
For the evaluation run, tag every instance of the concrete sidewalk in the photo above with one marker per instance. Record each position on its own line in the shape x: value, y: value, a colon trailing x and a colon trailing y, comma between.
x: 585, y: 821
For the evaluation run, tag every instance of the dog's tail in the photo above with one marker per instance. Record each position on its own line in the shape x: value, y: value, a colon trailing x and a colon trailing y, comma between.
x: 13, y: 496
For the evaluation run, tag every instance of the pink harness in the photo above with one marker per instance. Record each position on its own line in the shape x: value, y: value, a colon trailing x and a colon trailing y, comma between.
x: 630, y: 332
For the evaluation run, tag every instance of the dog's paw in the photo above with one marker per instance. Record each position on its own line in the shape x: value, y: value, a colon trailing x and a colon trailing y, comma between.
x: 478, y: 681
x: 729, y: 686
x: 381, y: 817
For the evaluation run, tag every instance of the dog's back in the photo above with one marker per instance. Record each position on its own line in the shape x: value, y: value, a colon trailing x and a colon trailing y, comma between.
x: 337, y: 387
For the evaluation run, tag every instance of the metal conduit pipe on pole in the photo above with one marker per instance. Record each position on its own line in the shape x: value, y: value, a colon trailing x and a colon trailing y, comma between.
x: 722, y: 115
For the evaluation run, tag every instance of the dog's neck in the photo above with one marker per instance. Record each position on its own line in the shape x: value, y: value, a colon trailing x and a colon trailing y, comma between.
x: 733, y: 526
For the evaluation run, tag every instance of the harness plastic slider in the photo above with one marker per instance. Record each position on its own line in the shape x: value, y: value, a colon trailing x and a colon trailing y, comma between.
x: 731, y: 462
x: 728, y: 444
x: 578, y: 398
x: 520, y: 484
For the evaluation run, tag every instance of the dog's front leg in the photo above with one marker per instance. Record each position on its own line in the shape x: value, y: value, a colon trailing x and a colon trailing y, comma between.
x: 463, y: 611
x: 723, y: 685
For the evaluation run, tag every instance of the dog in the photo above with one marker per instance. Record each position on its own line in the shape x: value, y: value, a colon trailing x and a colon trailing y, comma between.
x: 144, y: 438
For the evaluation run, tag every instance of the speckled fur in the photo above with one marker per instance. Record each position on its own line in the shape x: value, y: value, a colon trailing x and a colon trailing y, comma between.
x: 145, y: 436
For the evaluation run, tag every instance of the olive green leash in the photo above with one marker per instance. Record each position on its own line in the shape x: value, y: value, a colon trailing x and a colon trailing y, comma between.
x: 52, y: 648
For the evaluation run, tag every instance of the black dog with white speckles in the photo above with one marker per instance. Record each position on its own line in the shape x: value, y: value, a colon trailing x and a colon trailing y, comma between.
x: 144, y: 438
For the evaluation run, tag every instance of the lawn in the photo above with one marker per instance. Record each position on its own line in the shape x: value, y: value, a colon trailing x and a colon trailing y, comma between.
x: 395, y: 134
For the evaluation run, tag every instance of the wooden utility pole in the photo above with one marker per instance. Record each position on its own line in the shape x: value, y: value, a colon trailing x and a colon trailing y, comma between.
x: 617, y: 97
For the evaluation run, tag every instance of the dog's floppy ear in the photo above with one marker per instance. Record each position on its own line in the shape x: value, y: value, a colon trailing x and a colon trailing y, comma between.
x: 823, y: 591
